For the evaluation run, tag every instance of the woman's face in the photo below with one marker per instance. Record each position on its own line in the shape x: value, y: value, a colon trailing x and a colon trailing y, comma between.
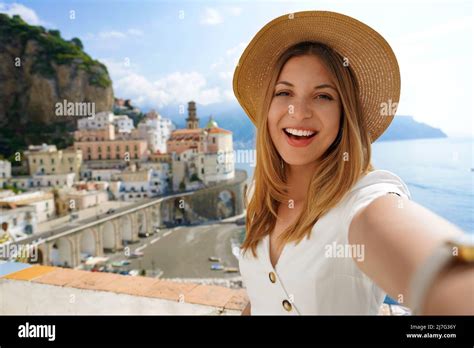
x: 306, y: 103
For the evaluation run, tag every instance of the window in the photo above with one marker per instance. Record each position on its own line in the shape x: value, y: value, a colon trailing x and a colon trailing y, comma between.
x: 100, y: 149
x: 41, y: 161
x: 126, y: 148
x: 34, y: 160
x: 14, y: 221
x: 202, y: 170
x: 70, y: 169
x: 108, y: 148
x: 213, y: 140
x: 135, y: 148
x: 52, y: 160
x: 89, y: 150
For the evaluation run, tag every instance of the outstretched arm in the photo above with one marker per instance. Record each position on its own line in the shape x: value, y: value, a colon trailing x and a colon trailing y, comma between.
x: 398, y: 236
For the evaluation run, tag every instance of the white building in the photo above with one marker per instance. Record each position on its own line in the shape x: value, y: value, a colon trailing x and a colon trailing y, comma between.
x: 35, y: 181
x: 5, y: 169
x: 201, y: 156
x: 156, y: 130
x: 42, y: 202
x: 141, y: 184
x: 83, y: 199
x: 99, y: 121
x: 103, y: 174
x: 123, y: 124
x: 21, y: 221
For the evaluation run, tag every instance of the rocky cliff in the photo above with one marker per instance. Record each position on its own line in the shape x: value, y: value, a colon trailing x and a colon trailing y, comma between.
x: 38, y: 69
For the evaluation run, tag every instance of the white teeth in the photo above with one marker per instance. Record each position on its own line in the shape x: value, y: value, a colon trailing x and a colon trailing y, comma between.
x: 299, y: 132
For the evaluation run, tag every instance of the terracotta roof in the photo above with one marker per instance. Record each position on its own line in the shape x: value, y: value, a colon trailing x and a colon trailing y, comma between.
x: 219, y: 130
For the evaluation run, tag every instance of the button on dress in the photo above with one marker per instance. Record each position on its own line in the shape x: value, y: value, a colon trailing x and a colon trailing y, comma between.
x: 316, y: 276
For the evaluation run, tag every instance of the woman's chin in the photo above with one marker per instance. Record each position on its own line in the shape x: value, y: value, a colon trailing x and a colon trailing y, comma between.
x: 298, y: 162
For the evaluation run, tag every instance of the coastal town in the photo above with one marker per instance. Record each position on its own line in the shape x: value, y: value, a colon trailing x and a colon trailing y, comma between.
x: 113, y: 165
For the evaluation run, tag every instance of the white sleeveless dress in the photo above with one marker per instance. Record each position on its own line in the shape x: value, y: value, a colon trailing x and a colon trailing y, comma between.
x: 319, y: 275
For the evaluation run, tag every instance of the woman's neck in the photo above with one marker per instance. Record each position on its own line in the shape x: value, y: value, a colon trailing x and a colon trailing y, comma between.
x: 298, y: 180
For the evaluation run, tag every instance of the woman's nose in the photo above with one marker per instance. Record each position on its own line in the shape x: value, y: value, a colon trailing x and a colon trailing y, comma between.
x: 300, y: 109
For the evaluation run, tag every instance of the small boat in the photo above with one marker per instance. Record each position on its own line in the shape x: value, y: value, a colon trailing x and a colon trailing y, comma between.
x: 120, y: 263
x: 214, y: 259
x: 216, y: 267
x: 231, y: 269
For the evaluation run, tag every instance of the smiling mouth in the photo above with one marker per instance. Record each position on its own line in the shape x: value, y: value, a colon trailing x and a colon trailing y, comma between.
x: 293, y: 136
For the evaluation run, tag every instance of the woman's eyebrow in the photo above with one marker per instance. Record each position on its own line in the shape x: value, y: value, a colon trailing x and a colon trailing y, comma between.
x: 324, y: 85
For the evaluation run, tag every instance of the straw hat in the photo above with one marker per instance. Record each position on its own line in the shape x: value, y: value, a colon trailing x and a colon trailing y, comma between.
x: 368, y: 54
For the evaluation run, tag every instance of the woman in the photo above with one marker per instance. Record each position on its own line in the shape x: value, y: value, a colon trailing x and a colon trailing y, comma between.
x: 326, y: 233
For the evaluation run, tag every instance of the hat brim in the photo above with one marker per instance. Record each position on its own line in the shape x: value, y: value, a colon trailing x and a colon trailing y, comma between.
x: 370, y: 56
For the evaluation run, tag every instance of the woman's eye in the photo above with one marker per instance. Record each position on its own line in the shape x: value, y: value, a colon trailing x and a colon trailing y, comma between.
x: 281, y: 93
x: 324, y: 96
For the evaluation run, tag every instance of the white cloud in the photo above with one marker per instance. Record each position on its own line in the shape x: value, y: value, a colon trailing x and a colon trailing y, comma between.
x: 211, y: 16
x: 27, y: 14
x: 225, y: 65
x: 135, y: 32
x: 175, y: 88
x: 236, y: 50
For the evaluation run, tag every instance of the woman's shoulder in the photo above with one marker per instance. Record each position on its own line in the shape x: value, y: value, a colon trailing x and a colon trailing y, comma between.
x: 381, y: 178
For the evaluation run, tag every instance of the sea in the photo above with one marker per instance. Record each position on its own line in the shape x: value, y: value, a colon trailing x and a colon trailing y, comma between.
x: 439, y: 173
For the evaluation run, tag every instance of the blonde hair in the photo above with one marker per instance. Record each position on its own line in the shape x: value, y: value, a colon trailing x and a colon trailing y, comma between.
x: 339, y: 168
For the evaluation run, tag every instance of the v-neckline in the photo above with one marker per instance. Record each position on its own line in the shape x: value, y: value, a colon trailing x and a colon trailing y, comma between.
x: 268, y: 253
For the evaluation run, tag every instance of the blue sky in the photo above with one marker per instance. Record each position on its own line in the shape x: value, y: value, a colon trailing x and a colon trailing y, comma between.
x: 163, y: 53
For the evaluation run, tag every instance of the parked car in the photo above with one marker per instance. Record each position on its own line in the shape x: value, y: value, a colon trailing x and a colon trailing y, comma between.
x: 110, y: 211
x: 216, y: 267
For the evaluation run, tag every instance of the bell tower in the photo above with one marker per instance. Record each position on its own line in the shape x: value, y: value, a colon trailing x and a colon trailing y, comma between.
x: 192, y: 122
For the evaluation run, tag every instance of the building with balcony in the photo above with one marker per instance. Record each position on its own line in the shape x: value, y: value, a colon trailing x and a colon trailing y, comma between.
x: 47, y: 159
x: 42, y: 202
x: 99, y: 121
x: 156, y: 130
x: 200, y: 156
